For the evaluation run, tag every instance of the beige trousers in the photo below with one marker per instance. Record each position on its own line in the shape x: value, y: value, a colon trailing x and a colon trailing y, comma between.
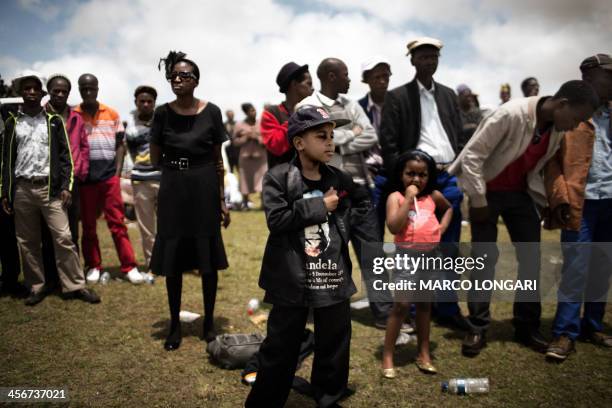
x: 145, y: 203
x: 31, y: 200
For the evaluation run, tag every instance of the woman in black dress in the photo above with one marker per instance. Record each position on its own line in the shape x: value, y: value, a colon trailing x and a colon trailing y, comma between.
x: 186, y: 138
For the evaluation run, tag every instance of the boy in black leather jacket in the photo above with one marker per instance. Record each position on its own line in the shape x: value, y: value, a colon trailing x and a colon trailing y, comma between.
x: 309, y: 207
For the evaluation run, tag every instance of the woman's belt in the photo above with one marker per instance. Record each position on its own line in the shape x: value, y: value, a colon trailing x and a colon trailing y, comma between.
x: 186, y: 163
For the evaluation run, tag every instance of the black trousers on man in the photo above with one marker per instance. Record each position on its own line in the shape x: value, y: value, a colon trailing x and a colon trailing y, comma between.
x: 9, y: 254
x: 278, y: 355
x: 519, y: 213
x: 366, y: 230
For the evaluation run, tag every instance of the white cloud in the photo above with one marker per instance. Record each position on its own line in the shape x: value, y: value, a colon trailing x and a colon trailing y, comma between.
x: 454, y: 12
x: 240, y: 46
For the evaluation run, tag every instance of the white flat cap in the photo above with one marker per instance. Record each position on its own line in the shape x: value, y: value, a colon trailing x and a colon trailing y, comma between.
x: 424, y: 41
x: 372, y: 62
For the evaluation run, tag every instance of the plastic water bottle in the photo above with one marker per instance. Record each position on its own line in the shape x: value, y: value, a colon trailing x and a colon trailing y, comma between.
x: 252, y: 306
x: 463, y: 386
x: 105, y: 278
x: 149, y: 278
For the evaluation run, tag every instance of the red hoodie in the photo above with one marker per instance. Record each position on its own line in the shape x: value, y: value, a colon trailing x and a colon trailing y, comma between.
x: 273, y: 133
x: 79, y: 146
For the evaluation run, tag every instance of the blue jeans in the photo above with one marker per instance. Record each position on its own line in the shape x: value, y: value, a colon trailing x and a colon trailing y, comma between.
x: 447, y: 185
x: 586, y: 272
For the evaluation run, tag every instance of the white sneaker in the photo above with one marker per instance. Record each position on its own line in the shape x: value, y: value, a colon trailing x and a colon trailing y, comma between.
x: 134, y: 276
x: 93, y: 275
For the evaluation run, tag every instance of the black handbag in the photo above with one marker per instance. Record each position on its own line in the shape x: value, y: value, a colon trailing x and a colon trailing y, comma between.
x: 231, y: 351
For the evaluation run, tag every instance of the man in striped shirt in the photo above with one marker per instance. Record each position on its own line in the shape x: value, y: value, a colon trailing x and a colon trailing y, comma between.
x: 101, y: 190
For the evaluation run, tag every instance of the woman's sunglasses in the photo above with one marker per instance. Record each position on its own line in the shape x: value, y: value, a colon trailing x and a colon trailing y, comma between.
x: 183, y: 75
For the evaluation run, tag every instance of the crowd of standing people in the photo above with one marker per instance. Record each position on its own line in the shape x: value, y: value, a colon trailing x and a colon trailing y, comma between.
x: 331, y: 171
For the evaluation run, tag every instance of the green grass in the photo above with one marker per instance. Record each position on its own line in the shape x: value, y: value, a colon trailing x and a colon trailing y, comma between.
x: 111, y: 354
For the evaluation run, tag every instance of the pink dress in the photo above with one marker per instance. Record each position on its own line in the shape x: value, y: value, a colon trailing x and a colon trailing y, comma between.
x: 423, y: 226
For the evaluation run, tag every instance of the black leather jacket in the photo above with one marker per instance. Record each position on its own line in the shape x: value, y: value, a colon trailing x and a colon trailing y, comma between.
x: 283, y: 276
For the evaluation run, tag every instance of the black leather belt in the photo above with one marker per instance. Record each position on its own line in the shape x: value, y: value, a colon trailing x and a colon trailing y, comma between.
x: 34, y: 180
x: 185, y: 163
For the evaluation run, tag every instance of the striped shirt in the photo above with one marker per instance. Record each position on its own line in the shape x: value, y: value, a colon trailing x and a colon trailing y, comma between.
x: 103, y: 131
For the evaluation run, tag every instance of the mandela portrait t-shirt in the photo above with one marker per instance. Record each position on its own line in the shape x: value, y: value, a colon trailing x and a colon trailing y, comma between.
x: 324, y: 266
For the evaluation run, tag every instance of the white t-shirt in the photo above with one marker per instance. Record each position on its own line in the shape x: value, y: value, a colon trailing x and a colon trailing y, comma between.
x: 433, y: 138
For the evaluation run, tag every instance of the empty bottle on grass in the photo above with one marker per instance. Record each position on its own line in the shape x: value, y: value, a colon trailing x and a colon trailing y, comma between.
x: 463, y: 386
x: 105, y: 278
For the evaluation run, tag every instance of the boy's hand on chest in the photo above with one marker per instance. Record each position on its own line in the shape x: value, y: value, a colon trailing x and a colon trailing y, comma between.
x: 331, y: 199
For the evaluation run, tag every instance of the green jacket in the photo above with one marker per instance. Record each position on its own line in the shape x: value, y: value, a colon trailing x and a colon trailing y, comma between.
x: 60, y: 158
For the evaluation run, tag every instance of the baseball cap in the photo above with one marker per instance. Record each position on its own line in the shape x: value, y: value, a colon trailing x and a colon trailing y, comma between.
x: 288, y: 72
x: 419, y: 42
x: 597, y: 61
x: 308, y: 117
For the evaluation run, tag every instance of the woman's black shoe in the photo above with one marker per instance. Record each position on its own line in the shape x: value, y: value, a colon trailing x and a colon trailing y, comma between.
x: 173, y: 341
x: 209, y: 331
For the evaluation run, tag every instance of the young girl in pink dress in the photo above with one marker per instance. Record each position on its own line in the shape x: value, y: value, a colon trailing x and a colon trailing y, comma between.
x: 417, y: 215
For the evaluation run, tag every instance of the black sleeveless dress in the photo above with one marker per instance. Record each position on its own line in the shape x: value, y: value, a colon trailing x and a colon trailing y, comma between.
x: 189, y: 203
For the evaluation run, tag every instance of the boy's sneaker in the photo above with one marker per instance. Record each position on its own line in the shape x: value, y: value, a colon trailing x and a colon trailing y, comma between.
x: 93, y: 275
x: 134, y: 276
x: 560, y: 348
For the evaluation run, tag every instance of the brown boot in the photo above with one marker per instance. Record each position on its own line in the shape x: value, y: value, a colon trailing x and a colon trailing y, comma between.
x: 560, y: 348
x: 599, y: 339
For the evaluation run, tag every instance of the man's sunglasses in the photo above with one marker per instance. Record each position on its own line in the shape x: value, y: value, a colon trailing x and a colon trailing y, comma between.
x: 182, y: 75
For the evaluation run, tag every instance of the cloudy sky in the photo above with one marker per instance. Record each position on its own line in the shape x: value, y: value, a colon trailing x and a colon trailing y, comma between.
x: 241, y: 45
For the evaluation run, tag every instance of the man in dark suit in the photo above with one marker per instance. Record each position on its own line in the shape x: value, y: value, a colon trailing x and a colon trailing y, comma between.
x: 376, y: 72
x: 424, y: 114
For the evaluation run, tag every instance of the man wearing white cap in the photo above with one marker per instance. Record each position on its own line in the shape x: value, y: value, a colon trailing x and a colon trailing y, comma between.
x: 424, y: 114
x: 375, y: 72
x: 37, y: 178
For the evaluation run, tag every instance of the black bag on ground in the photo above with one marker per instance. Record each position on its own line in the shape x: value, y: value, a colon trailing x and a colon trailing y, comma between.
x: 306, y: 349
x: 231, y: 351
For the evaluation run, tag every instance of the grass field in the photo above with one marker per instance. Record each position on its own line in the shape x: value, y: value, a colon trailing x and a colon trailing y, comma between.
x: 111, y: 354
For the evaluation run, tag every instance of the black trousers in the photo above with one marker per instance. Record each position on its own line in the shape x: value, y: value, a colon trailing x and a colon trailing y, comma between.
x: 518, y: 212
x: 9, y: 254
x: 278, y: 355
x: 74, y: 215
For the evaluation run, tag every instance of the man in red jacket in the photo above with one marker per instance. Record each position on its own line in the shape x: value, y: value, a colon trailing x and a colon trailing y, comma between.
x: 59, y: 87
x: 296, y: 83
